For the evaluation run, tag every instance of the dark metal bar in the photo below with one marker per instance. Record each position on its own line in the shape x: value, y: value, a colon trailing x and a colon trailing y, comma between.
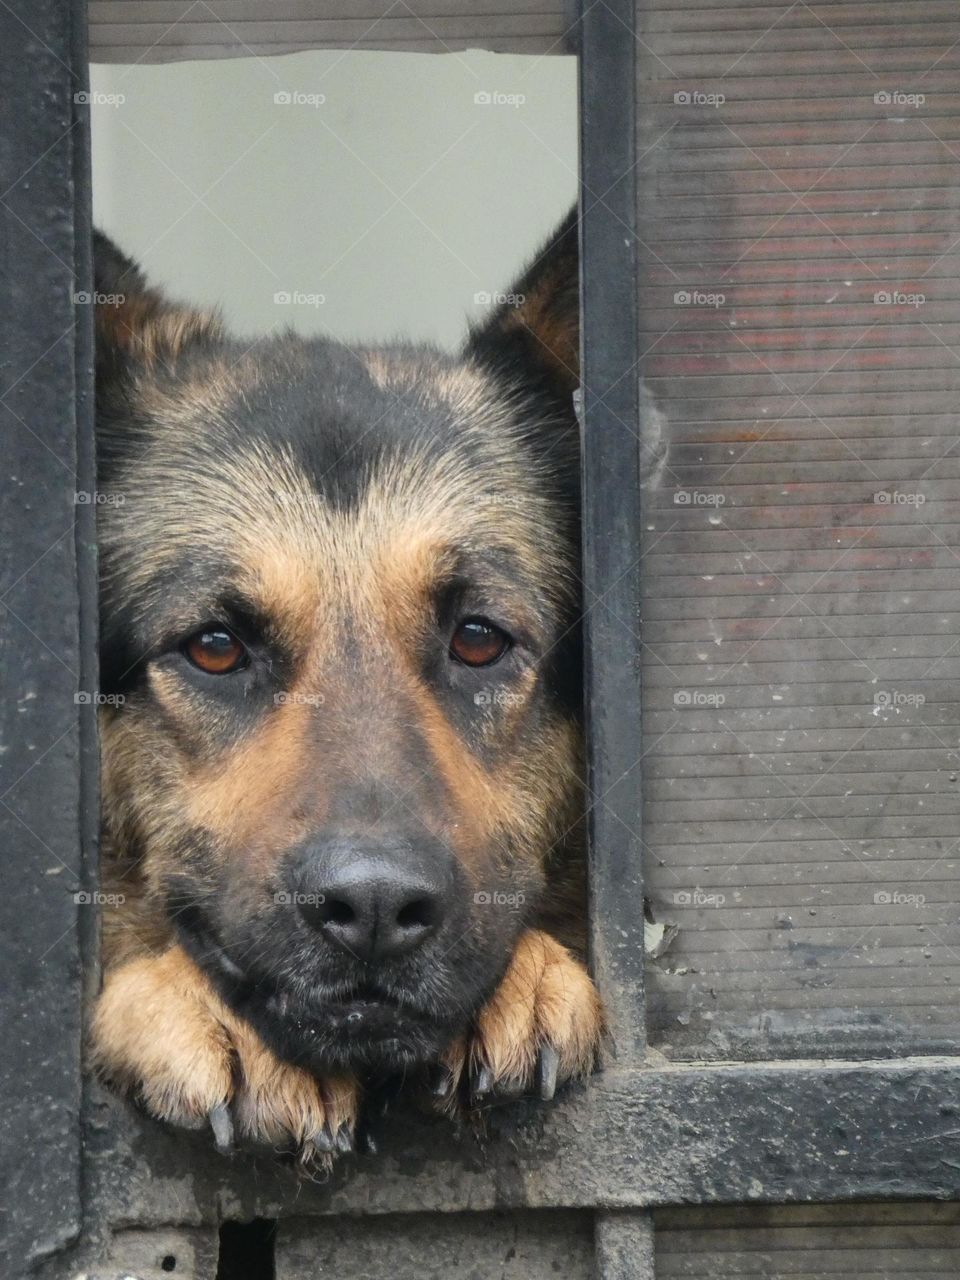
x: 45, y: 384
x: 611, y: 560
x: 85, y: 532
x: 769, y: 1134
x: 611, y: 515
x: 623, y: 1244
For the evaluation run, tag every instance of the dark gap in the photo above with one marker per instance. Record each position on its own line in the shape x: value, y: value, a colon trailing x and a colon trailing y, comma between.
x: 246, y: 1250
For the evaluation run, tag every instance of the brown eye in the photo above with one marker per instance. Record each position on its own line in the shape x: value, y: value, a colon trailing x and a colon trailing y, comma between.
x: 477, y: 643
x: 216, y: 651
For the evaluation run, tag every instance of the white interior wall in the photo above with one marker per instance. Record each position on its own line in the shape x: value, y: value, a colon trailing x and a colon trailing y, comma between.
x: 384, y: 188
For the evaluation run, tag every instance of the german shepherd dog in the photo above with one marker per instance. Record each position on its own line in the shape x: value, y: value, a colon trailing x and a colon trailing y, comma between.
x: 342, y: 827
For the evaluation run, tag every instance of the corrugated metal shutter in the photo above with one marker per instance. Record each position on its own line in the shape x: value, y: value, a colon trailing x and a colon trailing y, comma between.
x: 801, y: 198
x: 810, y: 1242
x: 172, y: 30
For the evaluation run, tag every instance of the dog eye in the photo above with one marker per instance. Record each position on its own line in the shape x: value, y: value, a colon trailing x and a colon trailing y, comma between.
x: 214, y: 650
x: 478, y: 643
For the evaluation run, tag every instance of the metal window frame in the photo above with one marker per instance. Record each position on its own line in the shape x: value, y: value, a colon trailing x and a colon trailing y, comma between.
x: 48, y: 805
x: 74, y: 1166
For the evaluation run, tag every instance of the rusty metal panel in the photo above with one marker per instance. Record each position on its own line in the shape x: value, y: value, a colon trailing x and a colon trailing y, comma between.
x: 800, y: 217
x: 168, y: 31
x: 858, y: 1242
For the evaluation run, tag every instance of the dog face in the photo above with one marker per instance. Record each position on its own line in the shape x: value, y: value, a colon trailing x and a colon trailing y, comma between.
x: 339, y: 597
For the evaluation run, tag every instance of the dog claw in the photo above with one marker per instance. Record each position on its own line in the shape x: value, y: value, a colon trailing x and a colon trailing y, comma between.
x: 482, y: 1084
x: 323, y: 1141
x: 512, y: 1092
x: 548, y: 1062
x: 440, y: 1081
x: 344, y: 1139
x: 221, y: 1123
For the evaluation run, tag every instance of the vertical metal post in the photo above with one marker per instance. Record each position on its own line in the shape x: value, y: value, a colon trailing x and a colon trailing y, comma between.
x: 623, y: 1245
x: 611, y: 515
x: 611, y: 542
x: 47, y: 596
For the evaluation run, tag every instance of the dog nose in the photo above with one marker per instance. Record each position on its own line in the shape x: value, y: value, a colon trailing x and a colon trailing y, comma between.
x: 374, y: 902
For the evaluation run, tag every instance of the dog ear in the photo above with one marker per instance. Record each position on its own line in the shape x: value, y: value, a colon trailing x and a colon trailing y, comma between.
x: 533, y: 336
x: 136, y: 326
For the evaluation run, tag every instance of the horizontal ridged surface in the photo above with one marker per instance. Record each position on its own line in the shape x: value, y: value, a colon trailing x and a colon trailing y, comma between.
x: 800, y: 216
x: 859, y: 1242
x: 167, y: 31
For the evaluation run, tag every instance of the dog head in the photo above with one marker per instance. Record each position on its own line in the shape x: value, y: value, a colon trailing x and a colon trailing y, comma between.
x: 339, y: 615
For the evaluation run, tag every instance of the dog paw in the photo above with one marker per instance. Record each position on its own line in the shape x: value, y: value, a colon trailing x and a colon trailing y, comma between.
x: 543, y: 1025
x: 163, y: 1035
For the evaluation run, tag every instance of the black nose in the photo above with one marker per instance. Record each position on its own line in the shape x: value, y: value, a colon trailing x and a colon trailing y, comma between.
x: 375, y: 901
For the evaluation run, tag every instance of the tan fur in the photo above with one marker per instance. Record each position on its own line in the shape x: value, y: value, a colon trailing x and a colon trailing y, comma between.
x: 255, y: 787
x: 311, y: 569
x: 465, y: 389
x: 350, y: 591
x: 162, y: 1032
x: 557, y: 340
x: 546, y: 998
x: 151, y: 329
